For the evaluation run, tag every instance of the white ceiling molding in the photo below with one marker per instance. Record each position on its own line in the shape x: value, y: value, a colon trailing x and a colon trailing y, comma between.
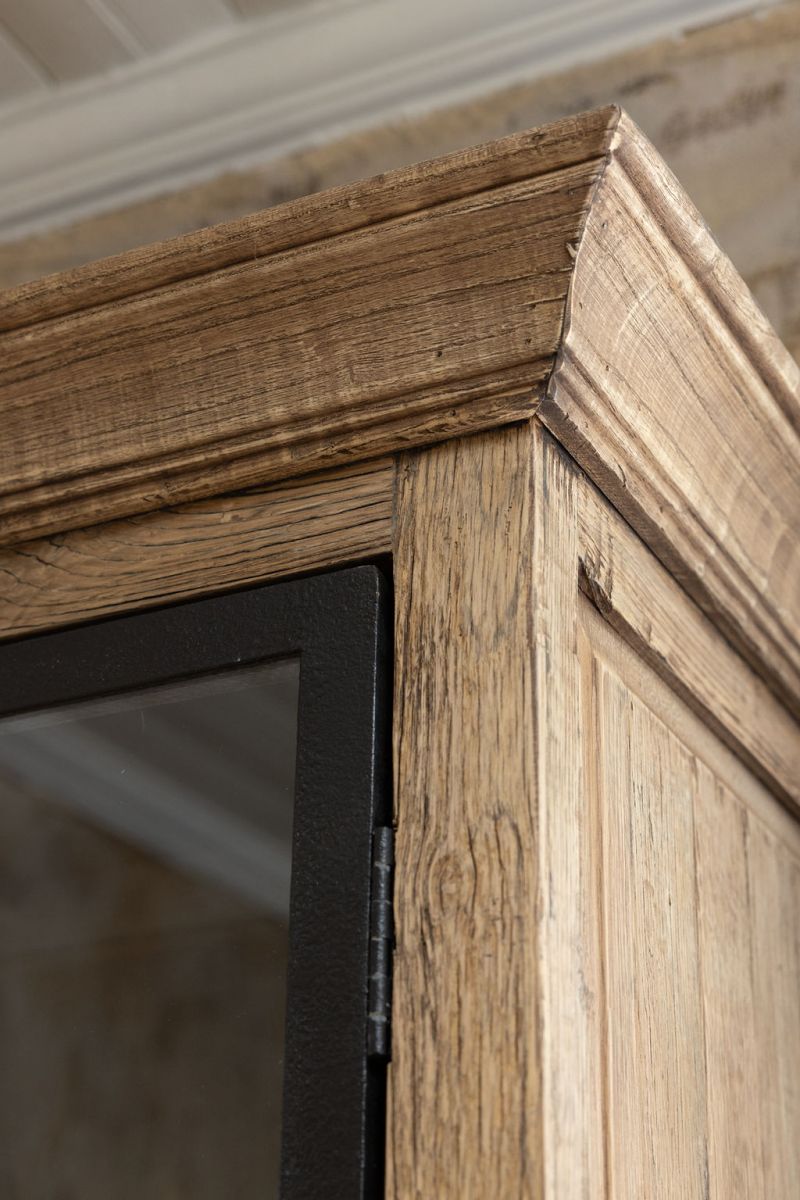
x: 293, y: 80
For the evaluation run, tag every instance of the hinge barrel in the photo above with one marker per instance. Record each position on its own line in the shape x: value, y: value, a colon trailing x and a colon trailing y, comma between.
x: 381, y: 944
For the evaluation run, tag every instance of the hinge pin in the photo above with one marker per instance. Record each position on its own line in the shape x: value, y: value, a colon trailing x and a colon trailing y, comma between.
x: 381, y: 941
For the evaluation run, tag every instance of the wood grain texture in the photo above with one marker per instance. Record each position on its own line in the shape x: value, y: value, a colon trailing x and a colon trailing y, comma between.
x: 638, y: 597
x: 724, y: 920
x: 568, y: 916
x: 564, y: 267
x: 699, y: 945
x: 465, y: 1106
x: 435, y: 323
x: 656, y: 1085
x: 192, y: 550
x: 774, y: 902
x: 309, y: 219
x: 630, y: 1106
x: 673, y: 392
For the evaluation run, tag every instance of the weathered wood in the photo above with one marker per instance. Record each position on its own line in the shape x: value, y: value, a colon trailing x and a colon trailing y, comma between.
x: 636, y: 595
x: 716, y: 103
x: 415, y: 308
x: 773, y: 889
x: 567, y: 841
x: 625, y: 1082
x: 724, y: 916
x: 464, y: 1106
x: 210, y: 546
x: 699, y: 944
x: 656, y: 1086
x: 675, y: 395
x: 338, y: 210
x: 410, y: 331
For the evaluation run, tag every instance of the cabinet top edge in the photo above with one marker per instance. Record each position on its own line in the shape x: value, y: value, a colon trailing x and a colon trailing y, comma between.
x: 567, y: 142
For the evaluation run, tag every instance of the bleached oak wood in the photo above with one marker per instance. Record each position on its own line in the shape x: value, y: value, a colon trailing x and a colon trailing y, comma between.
x: 656, y: 1104
x: 699, y: 944
x: 388, y: 314
x: 567, y: 914
x: 192, y: 550
x: 361, y: 344
x: 676, y: 396
x: 773, y: 888
x: 558, y: 807
x: 465, y: 1104
x: 414, y: 308
x: 636, y: 595
x: 724, y: 920
x: 619, y: 751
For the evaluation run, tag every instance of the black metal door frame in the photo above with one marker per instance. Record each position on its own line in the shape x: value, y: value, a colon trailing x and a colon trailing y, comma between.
x: 338, y: 624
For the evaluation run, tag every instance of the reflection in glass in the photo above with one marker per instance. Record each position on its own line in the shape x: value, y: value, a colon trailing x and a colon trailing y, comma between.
x: 145, y: 855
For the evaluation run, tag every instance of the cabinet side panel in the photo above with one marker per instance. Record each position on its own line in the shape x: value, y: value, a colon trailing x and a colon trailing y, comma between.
x: 464, y: 1104
x: 725, y: 918
x: 655, y: 1050
x: 700, y: 946
x: 774, y: 889
x: 570, y: 979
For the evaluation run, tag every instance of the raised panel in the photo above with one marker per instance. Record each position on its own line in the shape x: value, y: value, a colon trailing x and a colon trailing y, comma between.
x: 724, y: 920
x: 774, y: 892
x: 656, y: 1083
x: 699, y: 933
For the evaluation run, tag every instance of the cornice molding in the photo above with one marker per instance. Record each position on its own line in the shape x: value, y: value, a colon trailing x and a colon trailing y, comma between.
x: 561, y: 272
x: 293, y: 80
x: 677, y: 397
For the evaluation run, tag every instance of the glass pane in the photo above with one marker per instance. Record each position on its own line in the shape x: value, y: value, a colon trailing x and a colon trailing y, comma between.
x: 145, y: 856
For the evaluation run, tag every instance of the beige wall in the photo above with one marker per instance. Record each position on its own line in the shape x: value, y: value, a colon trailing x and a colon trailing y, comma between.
x: 721, y: 104
x: 132, y: 998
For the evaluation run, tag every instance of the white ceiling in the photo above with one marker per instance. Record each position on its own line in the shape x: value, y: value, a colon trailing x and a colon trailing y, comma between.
x: 107, y: 101
x: 44, y: 43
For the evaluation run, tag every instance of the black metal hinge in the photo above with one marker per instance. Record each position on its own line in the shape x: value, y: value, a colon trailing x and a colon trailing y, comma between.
x: 381, y: 945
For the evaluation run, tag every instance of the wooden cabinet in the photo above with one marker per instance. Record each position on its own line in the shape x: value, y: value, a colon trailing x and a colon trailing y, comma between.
x: 528, y: 382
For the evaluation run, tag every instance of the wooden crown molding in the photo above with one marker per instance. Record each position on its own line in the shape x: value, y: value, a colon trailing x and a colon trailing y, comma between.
x: 561, y: 270
x: 676, y: 396
x: 397, y: 312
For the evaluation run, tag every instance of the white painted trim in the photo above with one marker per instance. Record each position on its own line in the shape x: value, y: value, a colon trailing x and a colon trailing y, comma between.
x: 284, y: 83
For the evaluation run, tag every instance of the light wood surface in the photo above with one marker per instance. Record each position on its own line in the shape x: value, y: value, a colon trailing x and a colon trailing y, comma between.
x: 577, y: 1010
x: 417, y: 307
x: 631, y: 1086
x: 774, y: 889
x: 465, y: 1105
x: 304, y: 221
x: 698, y: 885
x: 717, y: 103
x: 643, y: 1093
x: 566, y: 913
x: 193, y: 550
x: 730, y: 1015
x: 656, y: 1100
x: 640, y: 599
x: 676, y: 396
x: 402, y: 334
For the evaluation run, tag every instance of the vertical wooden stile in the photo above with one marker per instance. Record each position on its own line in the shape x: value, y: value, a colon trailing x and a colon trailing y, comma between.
x: 570, y: 983
x: 465, y: 1088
